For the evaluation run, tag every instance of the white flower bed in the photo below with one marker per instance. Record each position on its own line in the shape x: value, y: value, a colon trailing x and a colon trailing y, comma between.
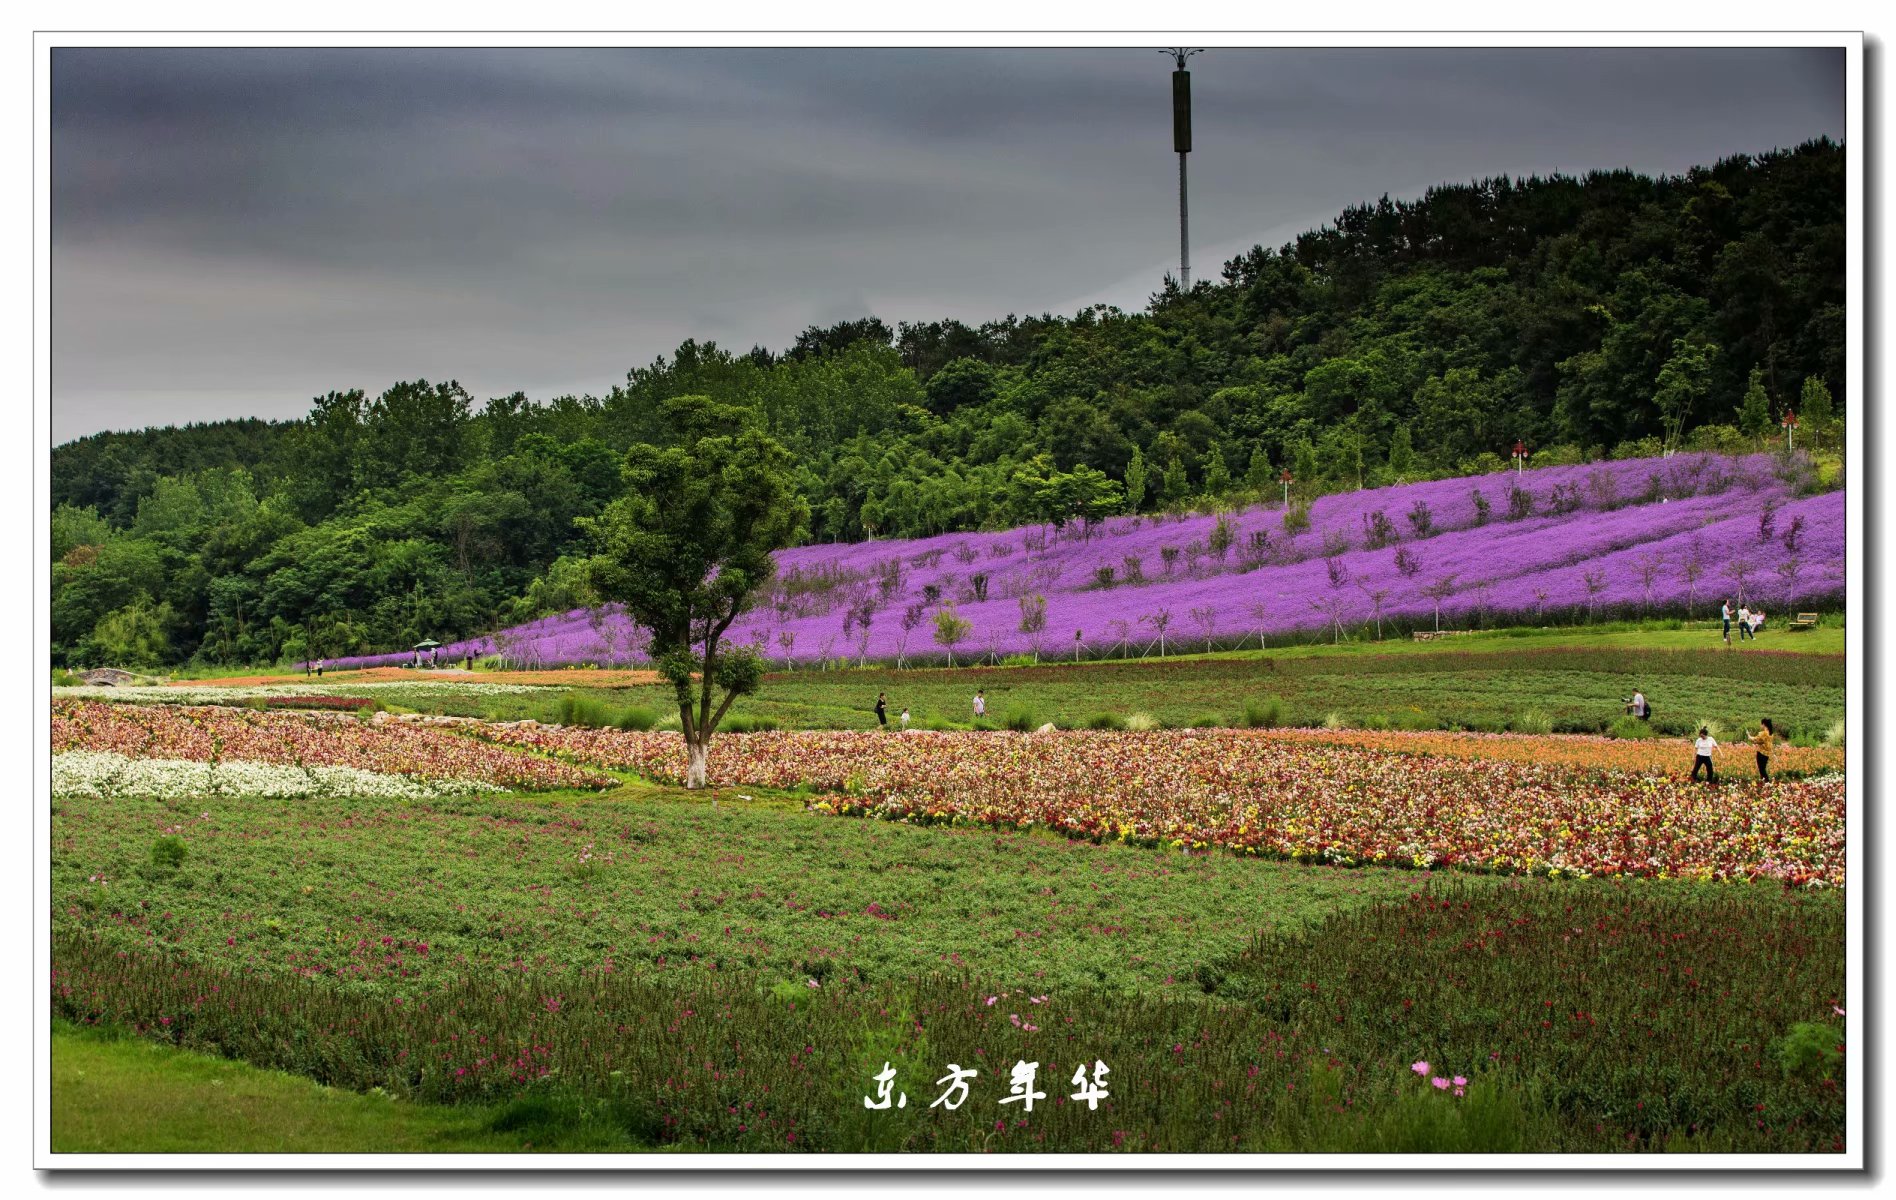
x: 98, y: 774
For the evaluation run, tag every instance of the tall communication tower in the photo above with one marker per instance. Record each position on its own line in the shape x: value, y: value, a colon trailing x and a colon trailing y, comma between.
x: 1182, y: 143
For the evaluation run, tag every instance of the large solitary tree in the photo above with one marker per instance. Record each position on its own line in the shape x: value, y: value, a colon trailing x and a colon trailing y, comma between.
x: 688, y: 549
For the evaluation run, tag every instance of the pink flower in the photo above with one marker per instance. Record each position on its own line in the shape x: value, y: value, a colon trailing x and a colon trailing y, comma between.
x: 1458, y: 1091
x: 812, y: 983
x: 1421, y: 1068
x: 1838, y: 1009
x: 991, y: 1000
x: 1440, y: 1083
x: 1461, y: 1081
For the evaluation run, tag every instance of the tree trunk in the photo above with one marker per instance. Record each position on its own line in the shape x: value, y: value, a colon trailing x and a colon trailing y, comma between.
x: 694, y: 770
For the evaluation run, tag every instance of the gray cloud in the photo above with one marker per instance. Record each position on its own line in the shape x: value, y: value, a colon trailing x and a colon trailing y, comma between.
x: 235, y: 231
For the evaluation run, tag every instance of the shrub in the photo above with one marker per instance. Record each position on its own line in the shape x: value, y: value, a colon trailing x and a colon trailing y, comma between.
x: 589, y: 711
x: 1140, y: 722
x: 1811, y: 1050
x: 1105, y: 720
x: 747, y: 724
x: 1631, y: 727
x: 1206, y: 721
x: 1532, y: 720
x: 1334, y: 720
x: 1021, y: 719
x: 167, y: 853
x: 1297, y: 517
x: 1263, y: 716
x: 1834, y: 735
x: 638, y: 718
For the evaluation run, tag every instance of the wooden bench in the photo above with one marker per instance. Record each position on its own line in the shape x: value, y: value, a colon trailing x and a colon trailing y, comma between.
x: 1804, y: 621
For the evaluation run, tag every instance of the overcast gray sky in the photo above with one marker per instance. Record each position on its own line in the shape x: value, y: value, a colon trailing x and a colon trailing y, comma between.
x: 236, y: 231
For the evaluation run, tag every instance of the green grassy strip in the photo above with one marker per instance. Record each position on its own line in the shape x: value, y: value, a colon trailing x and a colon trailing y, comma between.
x: 114, y: 1093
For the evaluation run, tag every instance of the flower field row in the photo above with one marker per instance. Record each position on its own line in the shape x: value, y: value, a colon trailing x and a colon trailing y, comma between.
x: 1420, y: 800
x: 305, y: 740
x: 1646, y: 536
x: 103, y: 774
x: 211, y: 693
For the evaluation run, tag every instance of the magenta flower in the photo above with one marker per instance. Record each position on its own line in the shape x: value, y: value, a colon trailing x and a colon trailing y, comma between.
x: 1461, y: 1081
x: 1440, y: 1083
x: 1421, y: 1068
x: 1838, y: 1008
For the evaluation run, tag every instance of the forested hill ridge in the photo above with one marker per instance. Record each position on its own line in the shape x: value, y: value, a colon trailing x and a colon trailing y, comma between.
x: 1604, y: 316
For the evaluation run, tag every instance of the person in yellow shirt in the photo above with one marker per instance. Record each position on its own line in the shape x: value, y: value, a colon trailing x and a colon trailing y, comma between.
x: 1761, y: 741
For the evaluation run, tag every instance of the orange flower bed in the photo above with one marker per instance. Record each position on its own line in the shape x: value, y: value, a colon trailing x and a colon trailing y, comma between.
x: 1506, y: 803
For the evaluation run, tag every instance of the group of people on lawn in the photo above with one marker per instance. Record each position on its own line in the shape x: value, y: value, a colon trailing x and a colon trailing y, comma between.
x: 882, y: 708
x: 1703, y: 745
x: 1749, y: 620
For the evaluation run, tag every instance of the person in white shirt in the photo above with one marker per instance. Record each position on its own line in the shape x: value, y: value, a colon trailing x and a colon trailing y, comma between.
x: 1725, y: 612
x: 980, y: 704
x: 1637, y: 705
x: 1757, y: 621
x: 905, y: 718
x: 1744, y: 621
x: 1703, y: 746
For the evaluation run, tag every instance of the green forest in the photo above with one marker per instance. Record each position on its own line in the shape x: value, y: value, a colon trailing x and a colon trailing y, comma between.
x: 1608, y: 315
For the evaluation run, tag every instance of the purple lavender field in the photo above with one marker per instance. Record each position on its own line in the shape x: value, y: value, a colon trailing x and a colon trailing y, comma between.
x: 1666, y: 537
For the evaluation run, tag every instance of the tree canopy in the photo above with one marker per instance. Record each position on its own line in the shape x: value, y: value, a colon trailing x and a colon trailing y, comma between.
x: 686, y: 549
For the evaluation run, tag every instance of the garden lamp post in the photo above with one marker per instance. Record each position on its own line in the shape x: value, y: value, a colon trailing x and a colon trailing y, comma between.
x: 1790, y: 429
x: 1520, y: 457
x: 1286, y: 480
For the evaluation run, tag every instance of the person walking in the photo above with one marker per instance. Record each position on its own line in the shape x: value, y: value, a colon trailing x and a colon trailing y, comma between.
x: 1703, y: 746
x: 319, y: 668
x: 1725, y: 611
x: 882, y: 709
x: 905, y: 718
x: 309, y: 668
x: 1761, y: 742
x: 1638, y: 707
x: 980, y: 703
x: 1744, y: 622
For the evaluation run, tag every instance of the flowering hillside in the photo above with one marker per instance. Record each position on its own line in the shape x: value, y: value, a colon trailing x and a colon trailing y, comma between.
x: 1664, y: 536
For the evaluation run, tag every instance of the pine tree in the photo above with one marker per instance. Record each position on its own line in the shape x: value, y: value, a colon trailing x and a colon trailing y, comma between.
x: 1304, y: 462
x: 1257, y: 476
x: 1135, y: 481
x: 1814, y: 407
x: 1217, y: 473
x: 1754, y: 414
x: 1401, y: 452
x: 1172, y: 485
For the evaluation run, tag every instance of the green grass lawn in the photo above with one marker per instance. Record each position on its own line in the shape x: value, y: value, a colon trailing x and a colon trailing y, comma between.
x: 1574, y: 680
x: 399, y: 895
x: 117, y: 1094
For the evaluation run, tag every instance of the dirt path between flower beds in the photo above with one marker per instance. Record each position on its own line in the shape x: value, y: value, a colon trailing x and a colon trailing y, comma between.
x: 579, y: 677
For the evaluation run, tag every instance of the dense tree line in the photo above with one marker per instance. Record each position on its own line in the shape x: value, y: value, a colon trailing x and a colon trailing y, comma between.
x: 1591, y: 316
